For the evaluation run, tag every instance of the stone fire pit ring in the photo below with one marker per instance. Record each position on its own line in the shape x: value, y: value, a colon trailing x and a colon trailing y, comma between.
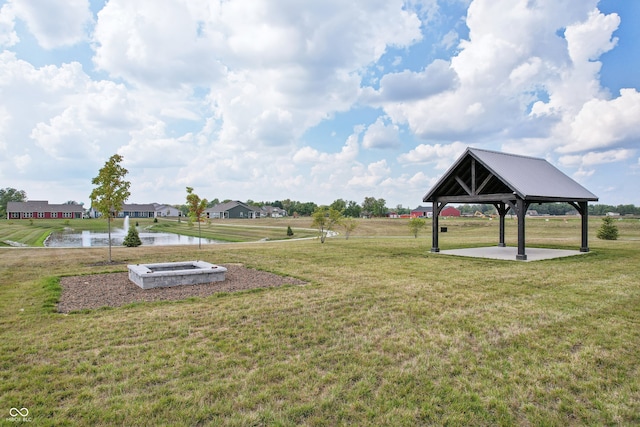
x: 166, y: 274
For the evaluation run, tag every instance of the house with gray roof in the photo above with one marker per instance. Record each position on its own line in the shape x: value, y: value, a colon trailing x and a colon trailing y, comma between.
x: 132, y: 210
x: 422, y: 212
x: 232, y: 209
x: 166, y: 211
x: 41, y: 209
x: 272, y: 211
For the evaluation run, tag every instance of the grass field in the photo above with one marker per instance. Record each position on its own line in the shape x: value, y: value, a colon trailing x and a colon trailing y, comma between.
x: 34, y: 232
x: 385, y: 333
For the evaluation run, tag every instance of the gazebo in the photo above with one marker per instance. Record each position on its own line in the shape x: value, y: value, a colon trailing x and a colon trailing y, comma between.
x: 507, y: 181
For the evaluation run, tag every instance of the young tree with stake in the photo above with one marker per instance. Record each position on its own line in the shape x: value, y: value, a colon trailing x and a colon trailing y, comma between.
x: 111, y: 192
x: 324, y: 219
x: 196, y: 210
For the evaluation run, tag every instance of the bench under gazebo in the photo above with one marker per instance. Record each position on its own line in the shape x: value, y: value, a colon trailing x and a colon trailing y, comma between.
x: 507, y: 181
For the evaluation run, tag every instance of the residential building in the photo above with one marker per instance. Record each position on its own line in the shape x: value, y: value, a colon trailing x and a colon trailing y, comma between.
x: 422, y: 212
x: 450, y: 211
x: 272, y: 211
x: 41, y: 209
x: 166, y: 211
x: 132, y: 210
x: 233, y: 209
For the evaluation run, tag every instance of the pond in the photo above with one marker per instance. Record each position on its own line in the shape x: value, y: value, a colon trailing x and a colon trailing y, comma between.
x: 73, y: 239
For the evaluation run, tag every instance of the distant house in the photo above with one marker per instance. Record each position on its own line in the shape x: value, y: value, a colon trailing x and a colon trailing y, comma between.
x: 449, y: 211
x: 422, y: 212
x: 272, y: 211
x: 137, y: 211
x: 132, y: 210
x: 166, y: 210
x: 427, y: 212
x: 233, y: 209
x: 392, y: 214
x: 41, y: 209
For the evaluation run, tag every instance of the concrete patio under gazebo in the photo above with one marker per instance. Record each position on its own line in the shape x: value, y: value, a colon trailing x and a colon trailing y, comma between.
x: 509, y: 182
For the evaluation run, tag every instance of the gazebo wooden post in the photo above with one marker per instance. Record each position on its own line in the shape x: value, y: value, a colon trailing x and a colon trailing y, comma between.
x: 434, y: 229
x: 584, y: 213
x: 501, y: 243
x: 521, y: 211
x: 502, y: 212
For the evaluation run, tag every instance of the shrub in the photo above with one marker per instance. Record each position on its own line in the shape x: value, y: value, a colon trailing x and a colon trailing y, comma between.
x: 133, y: 239
x: 415, y: 225
x: 289, y: 231
x: 608, y: 230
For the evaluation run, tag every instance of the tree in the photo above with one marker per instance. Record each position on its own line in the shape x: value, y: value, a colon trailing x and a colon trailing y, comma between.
x: 289, y: 231
x: 349, y: 224
x: 132, y: 239
x: 10, y: 195
x: 415, y: 225
x: 402, y: 211
x: 368, y: 205
x: 111, y: 192
x: 353, y: 209
x: 196, y: 210
x: 608, y: 230
x: 340, y: 205
x: 374, y: 207
x: 324, y: 219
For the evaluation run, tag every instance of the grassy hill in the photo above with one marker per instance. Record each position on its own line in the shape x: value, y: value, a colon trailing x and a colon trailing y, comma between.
x: 385, y: 333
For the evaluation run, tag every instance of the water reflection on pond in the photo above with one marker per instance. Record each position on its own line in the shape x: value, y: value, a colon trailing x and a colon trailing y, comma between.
x: 73, y: 239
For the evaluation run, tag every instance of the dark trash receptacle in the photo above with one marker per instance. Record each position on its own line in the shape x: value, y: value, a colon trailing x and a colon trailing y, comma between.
x: 443, y: 229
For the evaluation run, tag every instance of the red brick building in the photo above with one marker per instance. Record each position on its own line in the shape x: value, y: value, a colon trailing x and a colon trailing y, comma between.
x: 41, y: 209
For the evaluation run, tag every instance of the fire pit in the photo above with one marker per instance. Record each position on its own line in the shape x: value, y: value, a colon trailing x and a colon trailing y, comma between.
x: 167, y: 274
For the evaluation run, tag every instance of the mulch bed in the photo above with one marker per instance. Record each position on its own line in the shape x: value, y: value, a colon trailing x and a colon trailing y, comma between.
x: 115, y: 289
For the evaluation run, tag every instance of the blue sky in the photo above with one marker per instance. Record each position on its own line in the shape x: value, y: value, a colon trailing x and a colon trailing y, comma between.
x: 316, y: 100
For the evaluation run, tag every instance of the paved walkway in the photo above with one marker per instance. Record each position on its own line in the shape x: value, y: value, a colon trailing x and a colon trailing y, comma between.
x: 510, y: 252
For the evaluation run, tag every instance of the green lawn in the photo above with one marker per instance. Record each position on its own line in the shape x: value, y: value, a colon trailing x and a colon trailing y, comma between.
x: 385, y: 333
x: 34, y: 232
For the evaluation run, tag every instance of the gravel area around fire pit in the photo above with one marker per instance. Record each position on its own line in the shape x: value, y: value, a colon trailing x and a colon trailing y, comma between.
x: 115, y: 289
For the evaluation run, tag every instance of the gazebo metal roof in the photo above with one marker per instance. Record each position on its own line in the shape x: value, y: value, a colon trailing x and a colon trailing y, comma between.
x: 508, y: 181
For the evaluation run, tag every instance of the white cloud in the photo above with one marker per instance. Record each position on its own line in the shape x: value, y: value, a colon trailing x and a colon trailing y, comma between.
x: 596, y: 158
x: 22, y: 162
x: 55, y: 23
x: 603, y: 123
x: 151, y: 148
x: 8, y: 35
x: 273, y: 69
x: 380, y: 135
x: 368, y: 177
x: 409, y: 85
x: 347, y: 154
x: 588, y: 40
x: 442, y: 155
x: 132, y: 42
x: 450, y: 39
x: 583, y: 173
x: 61, y: 138
x: 515, y: 61
x: 5, y: 119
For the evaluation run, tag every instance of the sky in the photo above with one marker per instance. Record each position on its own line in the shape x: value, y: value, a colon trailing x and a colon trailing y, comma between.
x: 313, y: 100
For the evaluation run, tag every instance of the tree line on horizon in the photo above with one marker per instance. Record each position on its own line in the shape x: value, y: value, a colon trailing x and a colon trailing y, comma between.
x: 371, y: 206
